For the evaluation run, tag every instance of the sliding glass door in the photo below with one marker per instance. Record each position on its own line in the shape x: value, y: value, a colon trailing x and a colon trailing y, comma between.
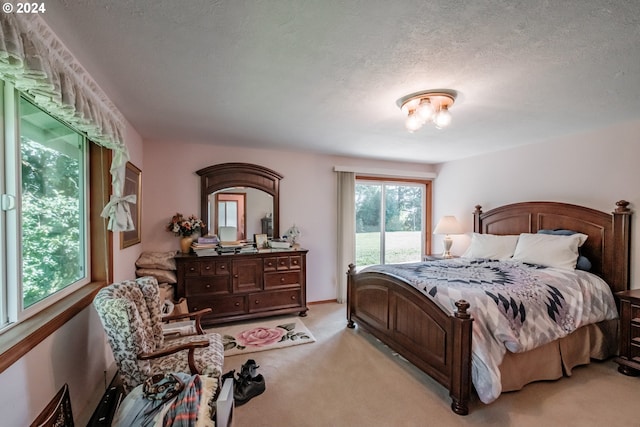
x: 389, y: 222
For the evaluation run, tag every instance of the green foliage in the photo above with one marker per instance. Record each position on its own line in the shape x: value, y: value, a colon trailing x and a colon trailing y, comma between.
x: 51, y: 252
x: 367, y: 201
x: 403, y: 207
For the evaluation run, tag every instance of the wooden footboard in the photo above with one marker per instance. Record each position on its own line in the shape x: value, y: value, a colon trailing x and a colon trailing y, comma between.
x: 416, y: 328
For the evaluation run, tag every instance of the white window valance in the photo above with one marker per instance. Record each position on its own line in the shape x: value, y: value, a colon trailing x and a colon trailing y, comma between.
x: 36, y: 62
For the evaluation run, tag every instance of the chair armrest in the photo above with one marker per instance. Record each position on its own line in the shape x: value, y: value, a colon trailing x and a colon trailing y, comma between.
x: 191, y: 346
x: 196, y: 315
x: 170, y: 350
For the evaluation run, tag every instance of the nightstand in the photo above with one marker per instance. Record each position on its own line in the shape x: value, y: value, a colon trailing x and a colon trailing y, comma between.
x: 629, y: 359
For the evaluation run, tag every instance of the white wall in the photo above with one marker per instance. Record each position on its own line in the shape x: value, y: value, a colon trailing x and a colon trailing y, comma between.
x: 594, y: 170
x: 77, y: 353
x: 307, y: 197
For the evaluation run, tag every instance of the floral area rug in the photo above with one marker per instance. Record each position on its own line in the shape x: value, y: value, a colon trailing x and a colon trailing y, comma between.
x: 266, y: 334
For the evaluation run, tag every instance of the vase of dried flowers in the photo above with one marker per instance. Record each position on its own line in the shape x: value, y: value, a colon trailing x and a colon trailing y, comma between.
x: 185, y: 227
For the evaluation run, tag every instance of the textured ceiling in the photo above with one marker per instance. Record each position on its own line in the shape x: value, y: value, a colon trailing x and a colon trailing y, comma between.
x: 324, y: 75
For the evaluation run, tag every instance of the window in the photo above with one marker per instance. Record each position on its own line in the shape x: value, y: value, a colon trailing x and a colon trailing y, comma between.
x: 390, y: 221
x: 44, y: 211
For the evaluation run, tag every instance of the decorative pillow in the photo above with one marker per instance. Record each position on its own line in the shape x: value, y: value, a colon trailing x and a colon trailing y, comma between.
x: 549, y: 250
x: 159, y: 260
x: 491, y: 246
x: 167, y: 276
x: 583, y: 262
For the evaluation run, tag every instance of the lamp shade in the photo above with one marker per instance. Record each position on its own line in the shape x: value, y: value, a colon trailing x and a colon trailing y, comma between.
x: 448, y: 225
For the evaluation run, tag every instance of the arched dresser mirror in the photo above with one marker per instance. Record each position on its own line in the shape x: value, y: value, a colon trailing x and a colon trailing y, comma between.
x: 240, y: 195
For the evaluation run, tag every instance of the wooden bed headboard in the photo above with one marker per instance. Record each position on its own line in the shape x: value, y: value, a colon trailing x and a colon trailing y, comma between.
x: 608, y: 245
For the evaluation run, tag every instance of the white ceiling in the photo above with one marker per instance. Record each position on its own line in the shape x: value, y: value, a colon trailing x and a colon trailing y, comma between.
x: 324, y: 75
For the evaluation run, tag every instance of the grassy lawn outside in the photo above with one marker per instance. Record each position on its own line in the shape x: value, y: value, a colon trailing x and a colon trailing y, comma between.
x: 401, y: 246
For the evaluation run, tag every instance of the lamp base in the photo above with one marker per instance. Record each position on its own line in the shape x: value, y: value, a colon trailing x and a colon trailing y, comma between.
x: 447, y: 242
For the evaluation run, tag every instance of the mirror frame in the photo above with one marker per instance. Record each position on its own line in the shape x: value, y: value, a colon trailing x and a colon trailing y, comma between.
x: 225, y: 175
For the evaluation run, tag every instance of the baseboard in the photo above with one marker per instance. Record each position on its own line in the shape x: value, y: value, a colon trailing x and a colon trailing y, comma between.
x: 327, y: 301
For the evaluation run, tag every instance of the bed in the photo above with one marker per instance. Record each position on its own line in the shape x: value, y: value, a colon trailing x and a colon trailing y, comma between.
x: 440, y: 341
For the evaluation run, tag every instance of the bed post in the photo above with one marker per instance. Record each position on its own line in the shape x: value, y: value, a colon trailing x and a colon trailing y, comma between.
x: 476, y: 219
x: 621, y: 233
x: 350, y: 274
x: 460, y: 387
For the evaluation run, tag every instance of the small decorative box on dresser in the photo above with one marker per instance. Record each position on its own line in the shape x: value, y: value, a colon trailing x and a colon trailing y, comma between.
x: 244, y: 286
x: 629, y: 359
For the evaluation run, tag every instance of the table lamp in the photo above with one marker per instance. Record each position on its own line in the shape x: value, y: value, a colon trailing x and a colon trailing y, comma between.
x: 447, y: 225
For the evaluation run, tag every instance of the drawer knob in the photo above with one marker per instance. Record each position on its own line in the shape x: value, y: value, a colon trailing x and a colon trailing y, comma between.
x: 208, y: 285
x: 293, y: 297
x: 208, y: 267
x: 294, y: 262
x: 222, y: 267
x: 282, y: 279
x: 192, y: 269
x: 237, y: 304
x: 257, y: 301
x: 270, y: 264
x: 235, y: 275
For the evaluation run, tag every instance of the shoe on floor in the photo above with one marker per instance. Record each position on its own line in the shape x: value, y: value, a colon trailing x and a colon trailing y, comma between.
x: 246, y: 388
x: 249, y: 369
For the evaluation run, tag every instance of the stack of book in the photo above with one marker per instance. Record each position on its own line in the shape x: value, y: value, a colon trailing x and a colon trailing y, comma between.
x: 209, y: 240
x: 205, y: 245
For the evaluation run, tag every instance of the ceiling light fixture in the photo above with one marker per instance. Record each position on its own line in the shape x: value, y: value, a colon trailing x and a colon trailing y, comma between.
x: 427, y: 106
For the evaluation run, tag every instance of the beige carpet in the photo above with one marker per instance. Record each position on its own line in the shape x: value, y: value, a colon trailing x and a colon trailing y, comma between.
x: 264, y: 334
x: 348, y: 379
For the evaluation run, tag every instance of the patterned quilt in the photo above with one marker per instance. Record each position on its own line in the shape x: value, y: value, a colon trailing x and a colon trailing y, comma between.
x: 515, y: 306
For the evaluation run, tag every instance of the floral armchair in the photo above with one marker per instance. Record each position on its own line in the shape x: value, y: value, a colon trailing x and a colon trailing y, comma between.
x: 131, y: 316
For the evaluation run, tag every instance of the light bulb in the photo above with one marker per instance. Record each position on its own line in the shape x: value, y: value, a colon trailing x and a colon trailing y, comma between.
x: 425, y: 110
x: 442, y: 117
x: 413, y: 122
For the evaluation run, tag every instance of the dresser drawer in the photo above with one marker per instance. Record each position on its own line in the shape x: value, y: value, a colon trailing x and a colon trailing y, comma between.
x: 207, y: 285
x: 295, y: 262
x: 191, y: 268
x: 206, y: 268
x: 273, y: 300
x: 281, y: 280
x: 217, y: 268
x: 221, y: 307
x: 282, y: 263
x: 270, y: 264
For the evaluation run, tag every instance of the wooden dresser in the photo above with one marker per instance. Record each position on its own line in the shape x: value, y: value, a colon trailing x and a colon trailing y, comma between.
x: 629, y: 359
x: 243, y: 286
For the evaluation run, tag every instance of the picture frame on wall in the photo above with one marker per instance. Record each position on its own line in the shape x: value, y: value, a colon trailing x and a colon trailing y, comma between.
x: 132, y: 185
x: 262, y: 241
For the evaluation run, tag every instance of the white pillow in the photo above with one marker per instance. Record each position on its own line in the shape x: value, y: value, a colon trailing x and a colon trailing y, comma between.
x: 549, y: 250
x: 491, y: 246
